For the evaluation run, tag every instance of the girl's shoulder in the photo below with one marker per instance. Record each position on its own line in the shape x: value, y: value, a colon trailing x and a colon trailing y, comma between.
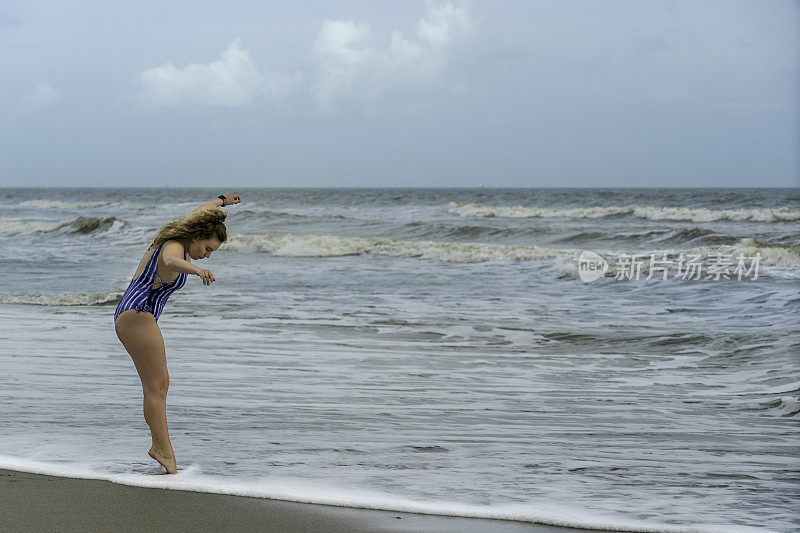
x: 173, y: 247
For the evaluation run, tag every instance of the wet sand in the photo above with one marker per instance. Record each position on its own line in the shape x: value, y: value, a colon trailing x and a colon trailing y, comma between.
x: 35, y: 502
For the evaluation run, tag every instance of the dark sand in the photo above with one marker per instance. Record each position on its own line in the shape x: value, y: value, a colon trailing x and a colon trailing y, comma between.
x: 35, y: 502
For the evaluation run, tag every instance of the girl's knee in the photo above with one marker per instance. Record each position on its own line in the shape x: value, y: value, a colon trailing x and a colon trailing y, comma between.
x: 158, y: 386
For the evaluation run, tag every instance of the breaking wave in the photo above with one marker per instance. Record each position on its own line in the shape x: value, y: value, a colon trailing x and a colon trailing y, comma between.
x: 77, y: 225
x: 784, y: 406
x: 25, y: 227
x: 332, y: 246
x: 680, y: 237
x: 770, y: 255
x: 57, y: 204
x: 640, y: 211
x: 92, y: 224
x: 464, y: 252
x: 100, y: 298
x: 784, y: 255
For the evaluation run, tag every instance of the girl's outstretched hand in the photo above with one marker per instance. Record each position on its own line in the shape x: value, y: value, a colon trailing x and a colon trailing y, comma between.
x: 206, y: 276
x: 232, y: 198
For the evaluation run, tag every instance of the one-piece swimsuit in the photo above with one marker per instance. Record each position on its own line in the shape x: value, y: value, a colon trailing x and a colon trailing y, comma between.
x: 142, y: 297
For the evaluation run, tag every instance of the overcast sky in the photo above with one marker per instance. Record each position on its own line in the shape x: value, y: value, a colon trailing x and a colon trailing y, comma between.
x: 400, y: 93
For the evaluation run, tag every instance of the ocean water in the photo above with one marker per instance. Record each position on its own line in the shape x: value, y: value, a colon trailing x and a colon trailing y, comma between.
x: 428, y: 350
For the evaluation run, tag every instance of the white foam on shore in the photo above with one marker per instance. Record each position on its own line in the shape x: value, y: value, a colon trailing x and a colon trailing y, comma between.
x: 308, y: 491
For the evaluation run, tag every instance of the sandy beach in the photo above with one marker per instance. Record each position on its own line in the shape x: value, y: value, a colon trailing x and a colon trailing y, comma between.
x: 35, y: 502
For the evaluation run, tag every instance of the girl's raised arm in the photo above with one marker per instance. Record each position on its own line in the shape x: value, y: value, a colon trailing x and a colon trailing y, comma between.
x: 231, y: 198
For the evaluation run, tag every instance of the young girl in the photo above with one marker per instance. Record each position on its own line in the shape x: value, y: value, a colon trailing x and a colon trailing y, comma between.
x: 162, y: 271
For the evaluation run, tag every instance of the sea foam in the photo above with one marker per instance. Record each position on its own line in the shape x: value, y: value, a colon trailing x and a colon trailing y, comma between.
x: 301, y: 490
x: 288, y: 245
x: 333, y: 246
x: 640, y: 211
x: 99, y: 298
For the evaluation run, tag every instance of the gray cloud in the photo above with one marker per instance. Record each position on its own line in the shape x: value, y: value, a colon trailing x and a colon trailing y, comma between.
x: 232, y: 80
x: 350, y: 68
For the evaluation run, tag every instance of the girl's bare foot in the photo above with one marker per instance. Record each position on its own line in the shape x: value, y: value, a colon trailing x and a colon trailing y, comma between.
x: 167, y: 462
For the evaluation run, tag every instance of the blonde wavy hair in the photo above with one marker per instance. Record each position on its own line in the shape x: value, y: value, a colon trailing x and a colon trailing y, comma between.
x: 203, y: 224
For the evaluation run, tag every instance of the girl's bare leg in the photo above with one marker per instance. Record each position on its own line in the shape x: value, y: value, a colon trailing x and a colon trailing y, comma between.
x: 141, y: 336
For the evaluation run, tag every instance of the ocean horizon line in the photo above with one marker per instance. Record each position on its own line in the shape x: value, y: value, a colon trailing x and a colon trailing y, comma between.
x: 398, y: 188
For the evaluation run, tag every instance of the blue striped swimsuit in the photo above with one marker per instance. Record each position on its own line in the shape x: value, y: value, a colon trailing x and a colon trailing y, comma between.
x: 141, y: 297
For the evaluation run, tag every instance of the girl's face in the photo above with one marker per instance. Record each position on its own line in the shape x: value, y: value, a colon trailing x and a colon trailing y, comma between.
x: 202, y: 248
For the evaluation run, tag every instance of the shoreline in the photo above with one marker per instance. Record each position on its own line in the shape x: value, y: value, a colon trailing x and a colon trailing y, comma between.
x: 40, y: 502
